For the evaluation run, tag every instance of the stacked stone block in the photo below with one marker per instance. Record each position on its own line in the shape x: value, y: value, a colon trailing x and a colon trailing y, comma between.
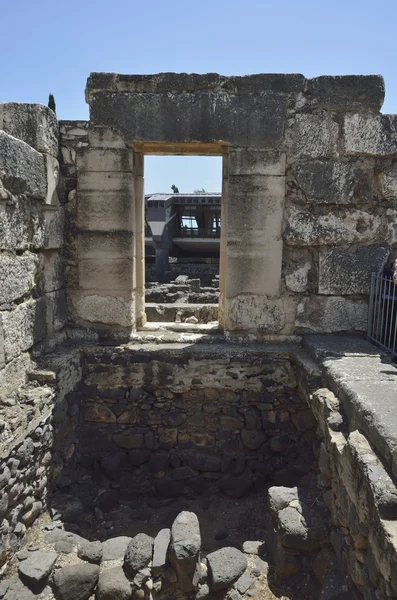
x: 308, y: 184
x: 32, y: 311
x: 193, y: 420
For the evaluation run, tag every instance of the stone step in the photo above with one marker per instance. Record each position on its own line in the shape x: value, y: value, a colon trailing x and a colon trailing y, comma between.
x: 179, y: 313
x: 164, y: 336
x: 212, y: 327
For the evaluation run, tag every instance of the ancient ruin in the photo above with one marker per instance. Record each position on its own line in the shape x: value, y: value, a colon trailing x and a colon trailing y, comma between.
x: 204, y: 438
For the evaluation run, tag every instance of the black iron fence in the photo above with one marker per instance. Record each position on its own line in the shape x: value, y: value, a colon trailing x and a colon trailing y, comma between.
x: 382, y: 313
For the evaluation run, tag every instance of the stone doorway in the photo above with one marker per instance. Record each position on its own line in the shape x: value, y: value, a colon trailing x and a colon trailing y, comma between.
x: 165, y: 115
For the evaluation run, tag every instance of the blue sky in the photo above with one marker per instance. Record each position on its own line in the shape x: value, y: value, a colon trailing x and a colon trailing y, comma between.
x: 51, y: 46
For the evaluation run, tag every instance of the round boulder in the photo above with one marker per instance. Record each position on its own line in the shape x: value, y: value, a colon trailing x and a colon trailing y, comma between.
x: 225, y: 567
x: 138, y: 554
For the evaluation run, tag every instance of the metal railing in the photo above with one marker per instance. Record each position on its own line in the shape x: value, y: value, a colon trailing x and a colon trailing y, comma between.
x: 197, y: 232
x: 382, y: 313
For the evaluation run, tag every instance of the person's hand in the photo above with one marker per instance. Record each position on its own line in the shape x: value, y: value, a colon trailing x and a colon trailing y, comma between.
x: 395, y: 272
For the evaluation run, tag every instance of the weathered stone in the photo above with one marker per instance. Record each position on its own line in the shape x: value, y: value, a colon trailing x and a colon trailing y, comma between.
x: 97, y: 308
x: 349, y: 272
x: 115, y: 548
x: 35, y: 124
x: 209, y: 118
x: 48, y: 227
x: 346, y: 92
x: 15, y: 224
x: 160, y: 551
x: 23, y: 327
x: 225, y: 567
x: 255, y: 313
x: 303, y: 420
x: 331, y: 314
x: 75, y: 582
x: 29, y: 517
x: 113, y: 585
x: 204, y: 462
x: 38, y: 566
x: 322, y: 228
x: 24, y: 170
x: 17, y: 275
x: 370, y: 134
x: 336, y: 182
x: 16, y: 590
x: 101, y: 413
x: 315, y: 135
x: 52, y: 271
x: 185, y: 550
x: 91, y: 552
x: 252, y: 438
x: 138, y: 554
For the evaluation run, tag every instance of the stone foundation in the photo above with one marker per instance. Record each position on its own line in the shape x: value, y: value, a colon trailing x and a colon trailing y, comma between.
x: 191, y: 419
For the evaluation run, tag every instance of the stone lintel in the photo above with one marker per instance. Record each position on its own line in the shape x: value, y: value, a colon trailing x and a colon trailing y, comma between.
x: 193, y: 82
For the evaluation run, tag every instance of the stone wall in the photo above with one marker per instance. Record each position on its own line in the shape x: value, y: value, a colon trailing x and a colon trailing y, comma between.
x: 357, y: 474
x: 191, y: 418
x: 309, y: 194
x: 32, y: 316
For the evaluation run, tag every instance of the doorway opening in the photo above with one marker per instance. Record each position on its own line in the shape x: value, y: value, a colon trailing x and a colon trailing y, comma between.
x: 183, y: 228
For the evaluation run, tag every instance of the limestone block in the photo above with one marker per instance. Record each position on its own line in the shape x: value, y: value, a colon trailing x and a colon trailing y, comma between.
x: 106, y: 274
x: 315, y: 135
x: 388, y: 180
x: 52, y: 169
x: 106, y: 181
x: 51, y: 271
x: 103, y: 137
x: 35, y: 124
x: 253, y: 240
x: 255, y: 203
x: 17, y: 275
x: 247, y: 161
x: 24, y: 326
x: 105, y: 310
x: 391, y: 214
x: 255, y: 120
x: 336, y: 182
x: 299, y: 270
x: 15, y: 224
x: 254, y: 266
x: 343, y: 272
x: 331, y: 314
x: 22, y: 169
x: 14, y: 375
x: 57, y: 310
x: 109, y: 160
x: 105, y: 210
x: 105, y: 244
x: 48, y: 227
x: 192, y: 82
x: 366, y: 133
x: 2, y: 354
x: 346, y: 92
x: 254, y: 313
x: 320, y: 227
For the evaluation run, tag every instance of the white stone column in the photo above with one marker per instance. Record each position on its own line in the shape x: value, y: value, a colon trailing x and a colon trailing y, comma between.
x: 253, y: 242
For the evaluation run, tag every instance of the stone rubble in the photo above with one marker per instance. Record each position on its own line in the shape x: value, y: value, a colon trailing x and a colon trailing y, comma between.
x: 171, y: 565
